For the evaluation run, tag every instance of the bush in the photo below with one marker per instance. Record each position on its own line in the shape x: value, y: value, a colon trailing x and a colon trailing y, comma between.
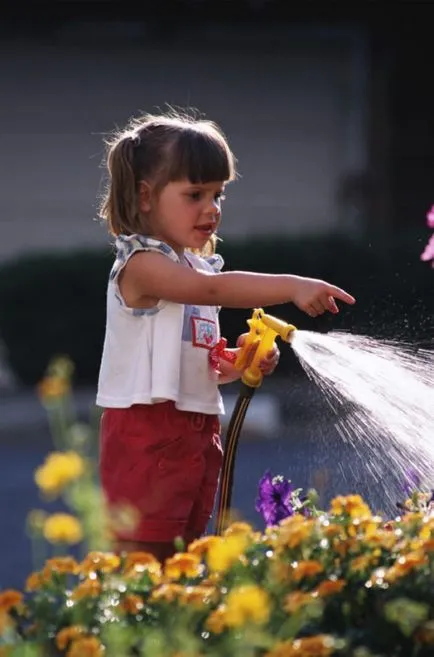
x: 55, y: 304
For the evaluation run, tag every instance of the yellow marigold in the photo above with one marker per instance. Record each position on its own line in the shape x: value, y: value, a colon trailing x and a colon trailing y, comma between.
x: 182, y: 564
x: 167, y: 592
x: 59, y: 470
x: 296, y: 600
x: 62, y: 528
x: 240, y: 528
x: 10, y: 599
x: 53, y: 387
x: 106, y: 562
x: 223, y: 553
x: 353, y: 505
x: 216, y: 621
x: 293, y: 531
x: 307, y: 568
x: 329, y: 587
x: 321, y: 645
x: 68, y: 634
x: 200, y: 546
x: 86, y: 647
x: 248, y: 603
x: 60, y: 565
x: 132, y: 604
x: 89, y: 588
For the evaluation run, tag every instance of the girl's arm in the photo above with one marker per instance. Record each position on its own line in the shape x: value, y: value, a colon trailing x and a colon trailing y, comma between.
x: 149, y: 276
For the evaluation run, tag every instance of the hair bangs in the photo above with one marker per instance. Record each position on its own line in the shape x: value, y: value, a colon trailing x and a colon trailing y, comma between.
x: 201, y: 156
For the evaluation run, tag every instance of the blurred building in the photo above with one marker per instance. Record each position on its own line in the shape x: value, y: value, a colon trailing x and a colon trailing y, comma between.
x: 294, y: 102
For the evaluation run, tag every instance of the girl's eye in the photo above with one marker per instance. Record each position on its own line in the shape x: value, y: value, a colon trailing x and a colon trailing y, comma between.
x: 195, y: 196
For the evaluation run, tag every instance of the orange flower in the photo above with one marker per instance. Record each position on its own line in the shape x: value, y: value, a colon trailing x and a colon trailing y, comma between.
x: 60, y: 565
x: 139, y: 559
x: 216, y: 621
x: 89, y: 588
x: 105, y: 562
x: 68, y: 634
x: 53, y: 387
x: 10, y: 599
x: 330, y: 586
x: 201, y: 545
x: 313, y: 646
x: 86, y: 647
x: 34, y: 582
x: 132, y: 604
x: 296, y: 600
x: 293, y: 531
x: 307, y: 568
x: 182, y: 564
x: 167, y: 592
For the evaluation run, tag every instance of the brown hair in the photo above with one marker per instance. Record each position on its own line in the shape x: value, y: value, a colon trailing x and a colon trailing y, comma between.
x: 160, y: 149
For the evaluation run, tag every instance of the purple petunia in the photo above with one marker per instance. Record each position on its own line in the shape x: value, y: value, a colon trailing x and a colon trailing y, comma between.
x: 428, y: 252
x: 412, y: 481
x: 274, y: 501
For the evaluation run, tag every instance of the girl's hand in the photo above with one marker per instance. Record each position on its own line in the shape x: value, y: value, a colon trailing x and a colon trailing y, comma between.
x: 267, y: 364
x: 315, y: 297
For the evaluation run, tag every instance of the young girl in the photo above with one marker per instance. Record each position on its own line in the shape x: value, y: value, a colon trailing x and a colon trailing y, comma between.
x: 163, y: 358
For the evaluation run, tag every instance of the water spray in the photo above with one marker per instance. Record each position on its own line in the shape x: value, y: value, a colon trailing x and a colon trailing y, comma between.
x: 264, y: 329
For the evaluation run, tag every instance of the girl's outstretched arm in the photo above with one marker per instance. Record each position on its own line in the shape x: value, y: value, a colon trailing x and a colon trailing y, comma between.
x: 149, y: 277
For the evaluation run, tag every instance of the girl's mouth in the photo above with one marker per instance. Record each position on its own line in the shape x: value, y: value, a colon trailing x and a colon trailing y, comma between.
x: 206, y: 229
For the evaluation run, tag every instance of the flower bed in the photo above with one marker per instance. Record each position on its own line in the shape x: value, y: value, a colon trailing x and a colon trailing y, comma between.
x: 312, y: 584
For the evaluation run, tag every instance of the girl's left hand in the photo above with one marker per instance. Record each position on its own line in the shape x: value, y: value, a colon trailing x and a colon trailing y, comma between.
x: 267, y: 364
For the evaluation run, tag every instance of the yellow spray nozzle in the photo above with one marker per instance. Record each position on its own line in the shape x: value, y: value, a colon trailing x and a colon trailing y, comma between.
x: 264, y: 329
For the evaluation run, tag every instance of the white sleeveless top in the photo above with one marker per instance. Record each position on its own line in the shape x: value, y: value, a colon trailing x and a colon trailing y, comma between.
x: 161, y: 353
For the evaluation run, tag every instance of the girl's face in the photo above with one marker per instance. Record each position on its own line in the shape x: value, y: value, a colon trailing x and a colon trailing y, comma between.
x: 185, y: 215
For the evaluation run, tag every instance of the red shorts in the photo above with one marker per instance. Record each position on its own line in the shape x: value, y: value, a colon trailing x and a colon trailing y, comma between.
x: 165, y: 464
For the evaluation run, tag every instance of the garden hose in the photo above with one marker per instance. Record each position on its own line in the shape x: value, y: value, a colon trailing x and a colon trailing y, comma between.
x: 264, y: 329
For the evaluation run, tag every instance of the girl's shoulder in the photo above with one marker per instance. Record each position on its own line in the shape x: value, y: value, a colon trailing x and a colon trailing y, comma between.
x: 213, y: 262
x: 126, y: 245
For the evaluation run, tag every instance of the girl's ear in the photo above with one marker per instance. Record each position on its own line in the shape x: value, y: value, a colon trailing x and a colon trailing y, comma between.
x: 144, y: 197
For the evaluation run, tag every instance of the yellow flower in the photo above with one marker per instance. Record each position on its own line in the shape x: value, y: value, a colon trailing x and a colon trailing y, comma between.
x: 404, y: 565
x: 62, y: 528
x: 10, y: 599
x: 139, y: 559
x: 223, y: 553
x: 242, y: 528
x: 5, y: 622
x: 308, y: 568
x: 89, y: 588
x: 353, y: 505
x: 363, y: 562
x: 105, y: 562
x: 68, y: 634
x: 248, y: 603
x: 53, y: 387
x: 59, y: 470
x: 183, y: 564
x: 86, y: 647
x: 293, y: 531
x: 216, y: 621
